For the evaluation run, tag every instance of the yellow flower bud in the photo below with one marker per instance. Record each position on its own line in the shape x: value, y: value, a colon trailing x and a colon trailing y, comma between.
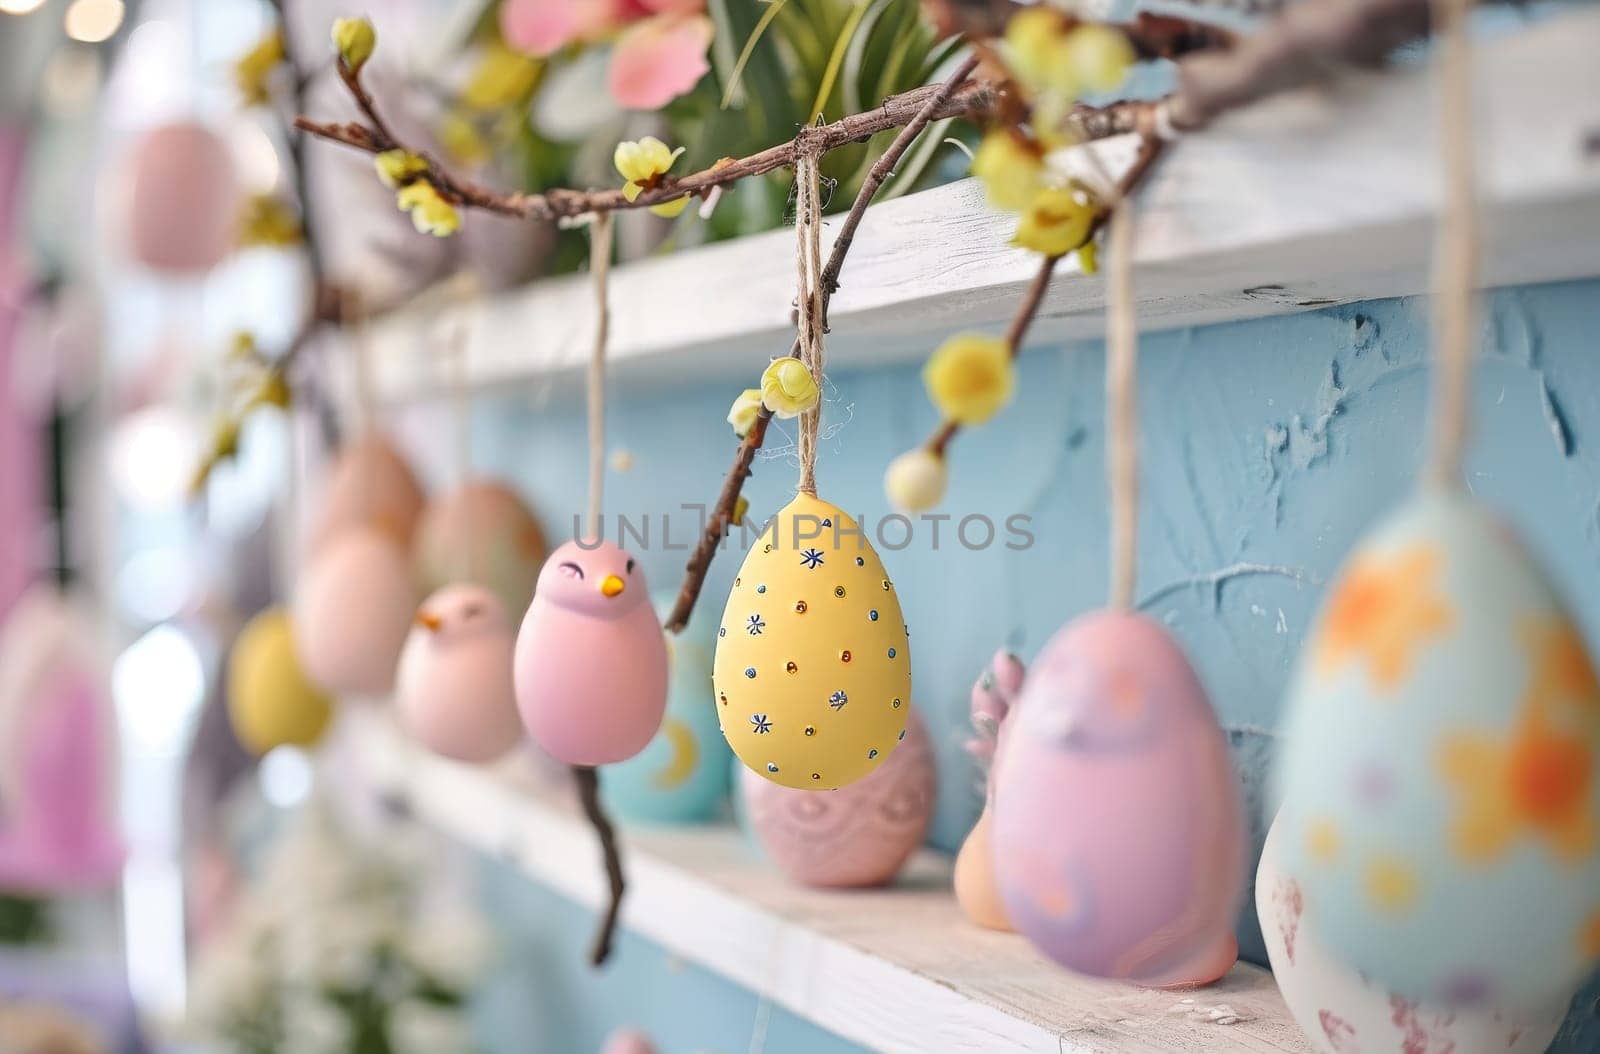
x: 644, y: 160
x: 916, y: 480
x: 252, y: 71
x: 430, y: 212
x: 462, y: 140
x: 273, y: 391
x: 671, y: 208
x: 1009, y: 168
x: 398, y: 167
x: 970, y: 377
x: 1098, y: 57
x: 1088, y: 257
x: 1035, y: 45
x: 742, y: 416
x: 788, y: 389
x: 502, y: 78
x: 354, y: 39
x: 1057, y: 221
x: 740, y: 507
x: 268, y: 220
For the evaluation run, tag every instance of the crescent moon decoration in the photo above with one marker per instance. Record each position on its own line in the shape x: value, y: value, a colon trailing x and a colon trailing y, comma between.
x: 685, y: 755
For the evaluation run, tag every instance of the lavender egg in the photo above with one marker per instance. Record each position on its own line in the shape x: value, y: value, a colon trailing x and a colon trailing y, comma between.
x: 856, y: 835
x: 1118, y: 840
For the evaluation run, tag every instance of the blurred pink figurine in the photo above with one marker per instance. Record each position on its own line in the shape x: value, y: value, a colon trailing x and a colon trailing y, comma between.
x: 591, y: 661
x: 993, y: 694
x: 628, y: 1041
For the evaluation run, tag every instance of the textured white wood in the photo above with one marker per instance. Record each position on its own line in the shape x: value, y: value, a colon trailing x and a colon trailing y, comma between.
x: 1308, y: 199
x: 897, y: 970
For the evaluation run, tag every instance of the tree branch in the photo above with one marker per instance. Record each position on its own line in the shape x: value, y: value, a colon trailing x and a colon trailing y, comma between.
x: 588, y: 780
x: 717, y: 524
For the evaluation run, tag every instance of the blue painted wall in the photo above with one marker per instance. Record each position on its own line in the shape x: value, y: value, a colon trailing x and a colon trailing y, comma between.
x: 1267, y: 448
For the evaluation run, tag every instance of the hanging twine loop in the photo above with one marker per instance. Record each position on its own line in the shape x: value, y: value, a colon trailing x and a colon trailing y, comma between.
x: 808, y: 300
x: 600, y: 272
x: 1122, y: 418
x: 1456, y: 246
x: 464, y: 291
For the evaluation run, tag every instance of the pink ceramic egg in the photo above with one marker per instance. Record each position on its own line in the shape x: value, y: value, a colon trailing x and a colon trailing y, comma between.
x: 1118, y: 837
x: 369, y: 484
x: 857, y: 835
x: 591, y: 663
x: 352, y: 611
x: 183, y: 202
x: 1343, y: 1012
x: 453, y: 688
x: 481, y: 532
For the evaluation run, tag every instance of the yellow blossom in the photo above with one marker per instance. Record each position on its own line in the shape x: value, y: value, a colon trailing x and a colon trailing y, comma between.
x: 268, y: 220
x: 501, y: 78
x: 916, y: 480
x: 242, y: 348
x: 970, y: 377
x: 1036, y: 39
x: 398, y: 167
x: 1058, y: 220
x: 354, y: 39
x: 430, y: 212
x: 253, y: 70
x: 742, y: 416
x: 462, y: 139
x: 644, y: 163
x: 1010, y: 169
x: 1098, y: 57
x: 1088, y: 258
x: 787, y: 388
x: 740, y: 507
x: 273, y: 391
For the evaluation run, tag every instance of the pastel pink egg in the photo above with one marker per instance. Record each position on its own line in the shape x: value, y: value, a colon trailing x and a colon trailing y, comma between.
x: 453, y: 689
x: 183, y: 200
x: 591, y: 662
x: 481, y: 532
x: 1118, y: 839
x: 352, y: 610
x: 368, y: 484
x: 628, y: 1041
x: 857, y: 835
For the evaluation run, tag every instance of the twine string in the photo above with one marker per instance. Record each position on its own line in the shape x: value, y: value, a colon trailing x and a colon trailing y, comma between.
x: 600, y: 272
x: 1122, y: 420
x: 808, y: 301
x: 1456, y: 245
x: 461, y: 412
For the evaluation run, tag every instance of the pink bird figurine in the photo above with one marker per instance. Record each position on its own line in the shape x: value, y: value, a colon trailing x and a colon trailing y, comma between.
x: 453, y: 687
x: 993, y: 696
x: 591, y: 661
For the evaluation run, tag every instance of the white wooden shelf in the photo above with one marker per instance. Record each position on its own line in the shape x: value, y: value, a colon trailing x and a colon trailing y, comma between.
x: 898, y: 969
x: 1309, y: 199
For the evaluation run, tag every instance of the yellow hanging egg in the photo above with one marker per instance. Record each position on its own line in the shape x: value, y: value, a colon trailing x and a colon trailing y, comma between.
x: 813, y: 669
x: 270, y: 701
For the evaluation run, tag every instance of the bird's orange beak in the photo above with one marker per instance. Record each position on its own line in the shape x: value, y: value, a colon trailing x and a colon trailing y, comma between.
x: 429, y: 621
x: 612, y: 585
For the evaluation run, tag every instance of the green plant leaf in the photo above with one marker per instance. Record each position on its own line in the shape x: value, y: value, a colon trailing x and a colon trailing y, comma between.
x: 836, y: 57
x: 774, y: 8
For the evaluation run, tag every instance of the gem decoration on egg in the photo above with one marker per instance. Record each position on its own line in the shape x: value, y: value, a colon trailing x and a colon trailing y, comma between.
x: 1117, y: 830
x: 1444, y: 742
x: 813, y: 666
x: 1340, y: 1010
x: 453, y: 689
x: 590, y: 660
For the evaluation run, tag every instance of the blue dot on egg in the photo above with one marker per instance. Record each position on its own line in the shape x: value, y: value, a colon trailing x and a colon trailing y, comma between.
x: 771, y: 767
x: 871, y: 754
x: 873, y: 615
x: 750, y: 671
x: 891, y: 653
x: 901, y: 736
x: 722, y: 631
x: 761, y: 589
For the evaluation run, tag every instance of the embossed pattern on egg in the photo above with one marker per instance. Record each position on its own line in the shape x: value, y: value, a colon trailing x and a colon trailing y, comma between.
x: 813, y: 669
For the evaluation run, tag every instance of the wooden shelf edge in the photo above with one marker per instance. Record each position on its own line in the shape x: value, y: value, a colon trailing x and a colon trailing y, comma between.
x: 1308, y: 199
x: 896, y: 969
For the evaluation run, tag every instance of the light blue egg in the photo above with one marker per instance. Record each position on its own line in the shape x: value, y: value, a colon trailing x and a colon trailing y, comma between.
x: 682, y: 775
x: 1441, y: 796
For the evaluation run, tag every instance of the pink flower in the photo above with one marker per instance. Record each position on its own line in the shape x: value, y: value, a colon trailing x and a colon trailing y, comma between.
x: 543, y: 27
x: 675, y: 7
x: 658, y: 59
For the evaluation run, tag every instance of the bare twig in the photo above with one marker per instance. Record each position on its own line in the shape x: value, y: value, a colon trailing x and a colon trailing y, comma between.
x: 588, y: 780
x: 717, y: 524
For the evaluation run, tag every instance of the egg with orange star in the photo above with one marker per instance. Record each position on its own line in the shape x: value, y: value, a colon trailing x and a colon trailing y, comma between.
x: 1443, y: 762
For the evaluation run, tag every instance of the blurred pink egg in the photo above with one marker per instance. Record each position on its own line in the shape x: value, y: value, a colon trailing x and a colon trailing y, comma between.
x: 453, y: 688
x: 1118, y: 837
x: 352, y: 610
x: 369, y: 484
x: 591, y: 662
x: 183, y: 199
x: 481, y: 532
x: 857, y: 835
x: 628, y: 1041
